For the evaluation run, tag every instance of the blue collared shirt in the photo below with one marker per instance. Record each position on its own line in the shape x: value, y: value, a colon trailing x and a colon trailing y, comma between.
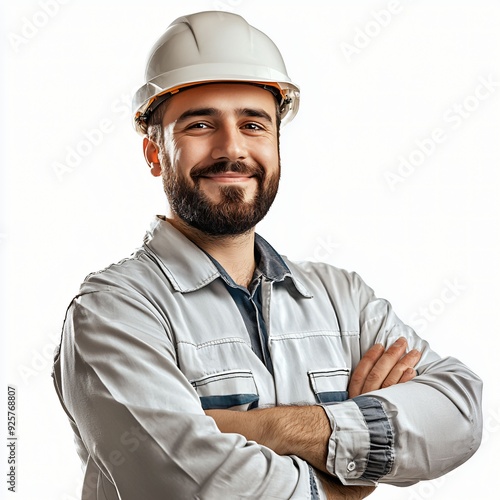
x: 270, y: 266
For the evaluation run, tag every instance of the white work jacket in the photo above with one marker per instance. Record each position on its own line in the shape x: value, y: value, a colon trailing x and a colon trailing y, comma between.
x: 152, y: 341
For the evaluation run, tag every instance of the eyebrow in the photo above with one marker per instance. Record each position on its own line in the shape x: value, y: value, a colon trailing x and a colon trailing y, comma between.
x: 250, y: 112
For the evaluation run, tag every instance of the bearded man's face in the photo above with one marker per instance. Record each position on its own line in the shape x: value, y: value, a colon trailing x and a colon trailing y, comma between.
x: 219, y: 156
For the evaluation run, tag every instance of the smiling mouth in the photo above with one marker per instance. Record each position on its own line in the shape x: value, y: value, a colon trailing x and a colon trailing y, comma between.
x: 228, y: 177
x: 228, y: 172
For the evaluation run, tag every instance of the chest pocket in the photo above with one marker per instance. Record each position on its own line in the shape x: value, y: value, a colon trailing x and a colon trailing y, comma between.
x: 329, y: 386
x: 233, y: 389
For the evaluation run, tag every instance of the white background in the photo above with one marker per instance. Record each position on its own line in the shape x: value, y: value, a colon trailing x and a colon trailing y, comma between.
x: 429, y: 243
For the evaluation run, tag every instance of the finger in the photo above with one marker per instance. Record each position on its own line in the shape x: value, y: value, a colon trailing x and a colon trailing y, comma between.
x: 407, y: 361
x: 412, y: 358
x: 364, y: 367
x: 384, y: 366
x: 408, y: 374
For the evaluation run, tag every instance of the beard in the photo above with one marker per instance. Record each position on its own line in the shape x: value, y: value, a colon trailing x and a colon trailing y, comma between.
x: 232, y: 215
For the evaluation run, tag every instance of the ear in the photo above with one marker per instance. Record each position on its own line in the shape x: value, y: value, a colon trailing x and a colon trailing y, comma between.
x: 150, y: 150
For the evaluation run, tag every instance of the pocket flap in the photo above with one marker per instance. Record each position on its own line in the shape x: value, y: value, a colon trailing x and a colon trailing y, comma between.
x: 329, y: 386
x: 234, y: 389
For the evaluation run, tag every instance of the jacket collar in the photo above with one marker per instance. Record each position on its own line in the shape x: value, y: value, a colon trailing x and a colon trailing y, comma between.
x: 189, y: 268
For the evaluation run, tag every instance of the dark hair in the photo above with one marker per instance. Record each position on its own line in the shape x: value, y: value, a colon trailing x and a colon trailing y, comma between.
x: 154, y: 127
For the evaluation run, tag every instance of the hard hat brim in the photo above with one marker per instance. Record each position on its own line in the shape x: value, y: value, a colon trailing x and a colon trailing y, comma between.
x: 173, y: 81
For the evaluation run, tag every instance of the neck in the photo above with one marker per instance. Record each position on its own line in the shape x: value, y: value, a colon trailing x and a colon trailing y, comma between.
x: 234, y: 253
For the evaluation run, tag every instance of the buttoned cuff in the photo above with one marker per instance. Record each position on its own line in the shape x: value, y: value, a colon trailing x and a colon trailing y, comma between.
x: 361, y: 446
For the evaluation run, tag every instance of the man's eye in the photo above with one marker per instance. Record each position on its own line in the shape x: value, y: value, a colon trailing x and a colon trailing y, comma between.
x: 252, y: 126
x: 198, y: 125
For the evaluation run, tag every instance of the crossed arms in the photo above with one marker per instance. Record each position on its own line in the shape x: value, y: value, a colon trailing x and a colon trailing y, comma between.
x: 305, y: 430
x: 142, y: 432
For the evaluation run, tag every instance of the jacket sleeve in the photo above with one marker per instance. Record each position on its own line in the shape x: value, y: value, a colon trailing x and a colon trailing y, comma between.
x: 139, y: 422
x: 418, y: 430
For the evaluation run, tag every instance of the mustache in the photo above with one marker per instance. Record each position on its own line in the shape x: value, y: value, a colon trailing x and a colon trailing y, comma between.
x: 220, y: 167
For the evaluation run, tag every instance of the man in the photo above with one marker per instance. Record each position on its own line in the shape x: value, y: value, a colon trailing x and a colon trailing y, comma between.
x: 206, y: 316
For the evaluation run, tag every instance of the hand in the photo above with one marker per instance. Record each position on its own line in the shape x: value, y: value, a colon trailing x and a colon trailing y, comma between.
x: 334, y: 490
x: 380, y: 368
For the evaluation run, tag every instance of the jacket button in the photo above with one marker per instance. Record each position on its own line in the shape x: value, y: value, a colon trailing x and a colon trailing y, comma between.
x: 351, y: 466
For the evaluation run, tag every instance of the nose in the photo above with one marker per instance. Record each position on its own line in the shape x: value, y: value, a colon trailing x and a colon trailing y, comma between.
x: 229, y: 144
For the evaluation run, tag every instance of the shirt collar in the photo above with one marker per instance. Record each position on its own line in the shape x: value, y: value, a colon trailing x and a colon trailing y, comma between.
x: 271, y: 264
x: 189, y: 268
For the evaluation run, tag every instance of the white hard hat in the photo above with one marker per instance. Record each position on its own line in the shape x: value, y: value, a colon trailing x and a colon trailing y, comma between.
x: 212, y: 47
